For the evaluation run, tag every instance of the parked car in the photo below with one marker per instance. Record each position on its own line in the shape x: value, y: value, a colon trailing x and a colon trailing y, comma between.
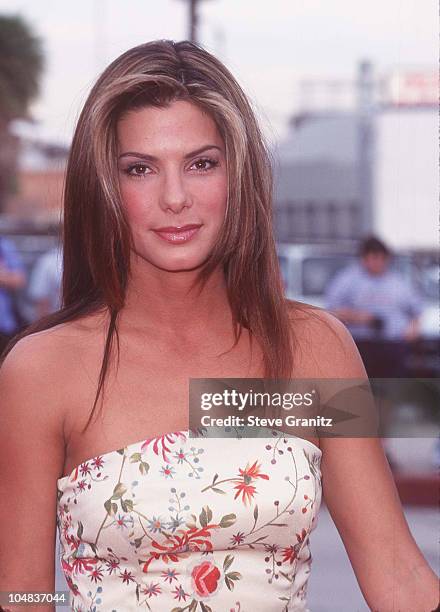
x: 31, y: 241
x: 308, y: 268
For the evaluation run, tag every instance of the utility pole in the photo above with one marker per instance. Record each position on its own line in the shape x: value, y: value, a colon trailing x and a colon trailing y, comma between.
x: 193, y: 19
x: 366, y: 119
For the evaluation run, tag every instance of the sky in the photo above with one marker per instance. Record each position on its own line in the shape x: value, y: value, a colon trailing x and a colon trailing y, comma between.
x: 268, y: 45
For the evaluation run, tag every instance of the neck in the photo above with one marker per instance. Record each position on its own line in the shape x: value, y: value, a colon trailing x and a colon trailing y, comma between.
x: 166, y: 302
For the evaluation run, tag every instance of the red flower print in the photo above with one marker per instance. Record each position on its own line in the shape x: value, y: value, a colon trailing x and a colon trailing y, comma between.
x: 151, y: 589
x: 96, y: 574
x: 82, y: 485
x: 181, y: 544
x: 160, y: 443
x: 290, y: 553
x: 81, y: 564
x: 180, y: 455
x: 126, y: 577
x: 167, y: 471
x: 67, y: 569
x: 271, y: 548
x: 170, y: 575
x: 247, y: 492
x: 98, y: 462
x: 84, y: 469
x: 244, y: 485
x: 72, y: 541
x: 301, y: 537
x: 205, y: 578
x: 179, y: 593
x: 252, y: 472
x: 67, y: 523
x: 237, y: 538
x: 112, y: 564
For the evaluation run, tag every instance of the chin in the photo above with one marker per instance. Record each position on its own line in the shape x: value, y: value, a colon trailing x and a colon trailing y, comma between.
x: 177, y: 258
x: 180, y: 268
x: 178, y: 263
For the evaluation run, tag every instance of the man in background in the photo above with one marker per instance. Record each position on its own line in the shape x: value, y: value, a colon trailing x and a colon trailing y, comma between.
x: 12, y: 278
x: 44, y: 289
x: 380, y: 308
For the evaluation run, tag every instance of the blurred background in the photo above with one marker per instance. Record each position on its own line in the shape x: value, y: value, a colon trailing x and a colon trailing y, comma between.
x: 347, y: 96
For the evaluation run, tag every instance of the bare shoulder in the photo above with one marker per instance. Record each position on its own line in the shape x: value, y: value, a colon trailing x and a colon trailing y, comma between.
x: 324, y: 346
x: 29, y: 385
x: 37, y: 379
x: 52, y: 352
x: 43, y: 369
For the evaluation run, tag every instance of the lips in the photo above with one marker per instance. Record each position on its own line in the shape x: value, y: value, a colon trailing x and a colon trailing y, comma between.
x: 178, y: 234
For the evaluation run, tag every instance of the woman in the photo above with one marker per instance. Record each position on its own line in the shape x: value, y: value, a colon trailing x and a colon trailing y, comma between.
x: 170, y: 273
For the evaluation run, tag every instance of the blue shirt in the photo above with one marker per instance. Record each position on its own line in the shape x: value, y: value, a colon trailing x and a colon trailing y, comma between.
x: 45, y: 280
x: 9, y: 259
x: 388, y: 296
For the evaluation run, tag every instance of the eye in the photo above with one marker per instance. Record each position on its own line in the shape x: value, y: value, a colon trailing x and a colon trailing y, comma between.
x: 204, y: 164
x: 138, y: 170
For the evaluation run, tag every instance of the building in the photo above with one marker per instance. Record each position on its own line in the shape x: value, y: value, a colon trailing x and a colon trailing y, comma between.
x: 39, y: 178
x: 369, y: 165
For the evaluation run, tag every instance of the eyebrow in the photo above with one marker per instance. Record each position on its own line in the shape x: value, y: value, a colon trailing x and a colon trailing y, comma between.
x: 155, y: 159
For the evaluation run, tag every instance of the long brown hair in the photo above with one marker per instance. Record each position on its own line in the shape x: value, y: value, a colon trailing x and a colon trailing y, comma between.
x: 96, y: 237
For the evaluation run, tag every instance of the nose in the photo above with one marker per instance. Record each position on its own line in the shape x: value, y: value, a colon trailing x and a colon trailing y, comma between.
x: 174, y: 196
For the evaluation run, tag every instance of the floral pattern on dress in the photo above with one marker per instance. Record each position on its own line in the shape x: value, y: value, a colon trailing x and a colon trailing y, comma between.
x: 198, y: 524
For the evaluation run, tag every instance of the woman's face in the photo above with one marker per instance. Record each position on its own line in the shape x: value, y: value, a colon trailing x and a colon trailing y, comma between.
x: 173, y: 181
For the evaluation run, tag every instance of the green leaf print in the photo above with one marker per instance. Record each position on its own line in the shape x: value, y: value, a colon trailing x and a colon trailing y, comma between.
x: 227, y: 562
x: 228, y: 520
x: 135, y: 457
x: 205, y: 516
x: 111, y: 508
x: 119, y: 491
x: 144, y: 467
x: 127, y: 505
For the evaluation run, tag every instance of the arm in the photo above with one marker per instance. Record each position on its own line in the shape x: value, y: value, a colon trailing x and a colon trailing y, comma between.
x: 40, y: 286
x: 412, y: 331
x: 12, y: 274
x: 413, y: 304
x: 362, y: 499
x: 338, y: 299
x: 11, y: 279
x: 351, y: 315
x: 31, y: 460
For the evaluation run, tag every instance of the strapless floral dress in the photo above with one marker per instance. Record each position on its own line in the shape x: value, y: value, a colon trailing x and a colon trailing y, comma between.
x: 192, y: 523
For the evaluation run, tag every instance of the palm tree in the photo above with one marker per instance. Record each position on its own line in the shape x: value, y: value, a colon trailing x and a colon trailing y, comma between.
x: 21, y: 65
